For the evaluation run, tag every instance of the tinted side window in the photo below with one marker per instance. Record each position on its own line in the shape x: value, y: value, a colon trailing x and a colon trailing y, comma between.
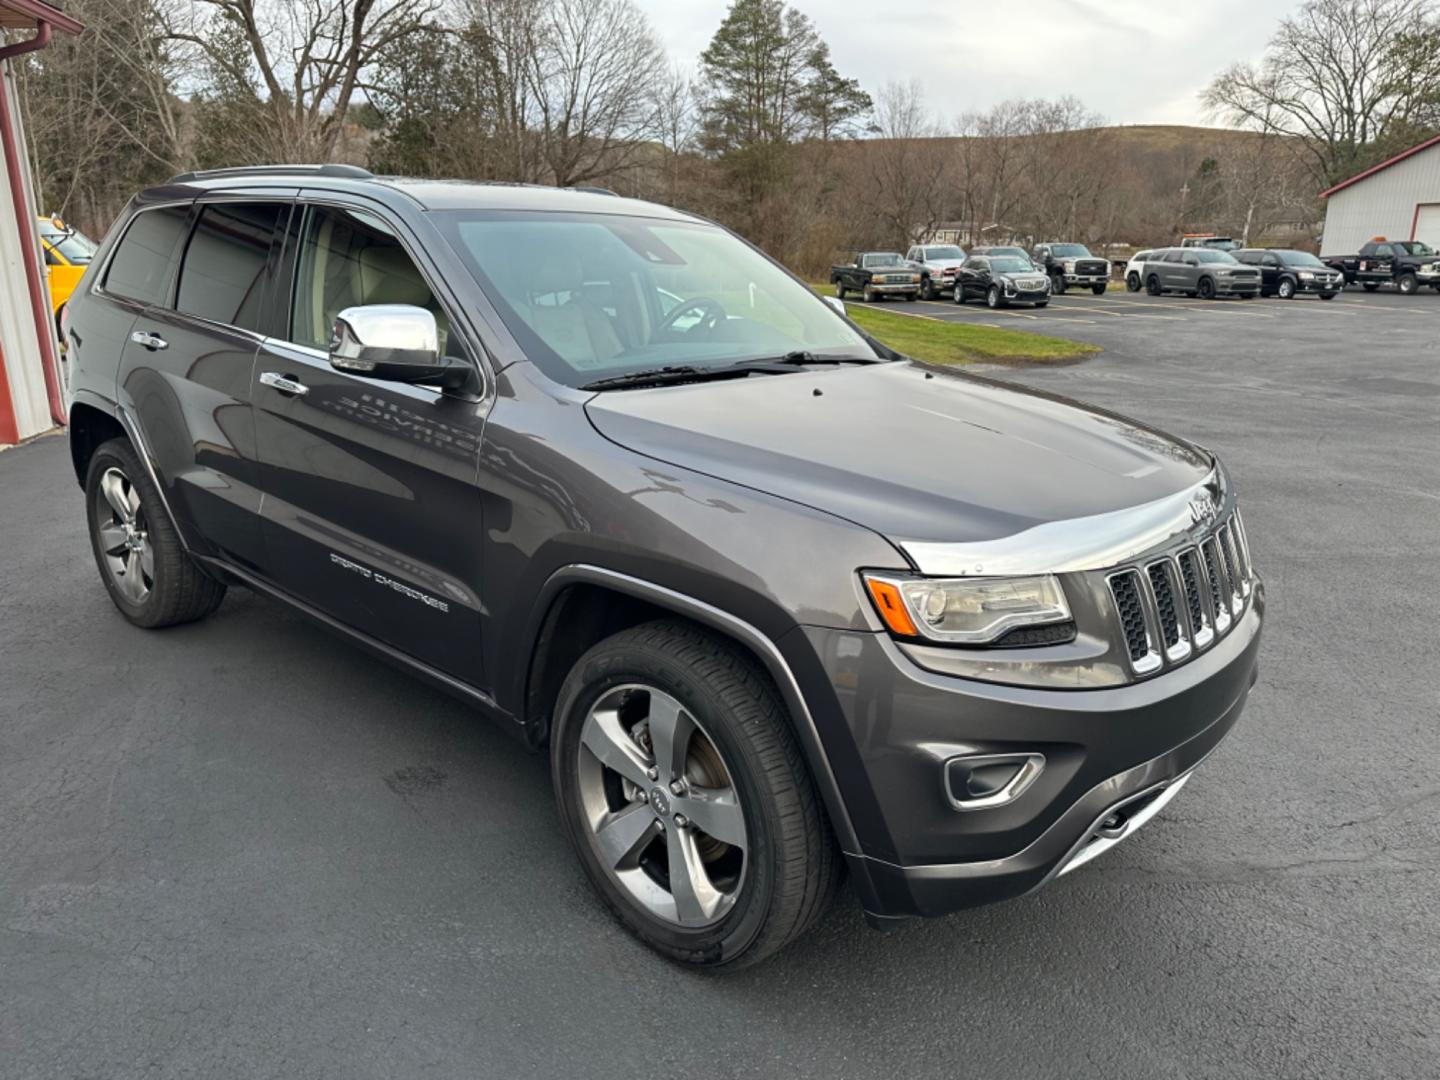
x: 222, y: 276
x: 141, y: 264
x: 348, y: 258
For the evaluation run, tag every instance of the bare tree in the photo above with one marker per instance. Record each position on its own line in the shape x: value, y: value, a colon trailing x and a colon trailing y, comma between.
x: 1338, y: 76
x: 906, y: 186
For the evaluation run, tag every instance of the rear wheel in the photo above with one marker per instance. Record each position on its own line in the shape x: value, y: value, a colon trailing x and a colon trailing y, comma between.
x: 1206, y: 289
x: 145, y: 569
x: 1099, y: 290
x: 1286, y: 291
x: 1409, y: 284
x: 1132, y: 282
x: 684, y: 793
x: 1152, y: 285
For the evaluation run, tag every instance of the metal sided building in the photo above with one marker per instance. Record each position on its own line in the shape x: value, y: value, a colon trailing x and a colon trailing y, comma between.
x: 1398, y: 199
x: 31, y: 398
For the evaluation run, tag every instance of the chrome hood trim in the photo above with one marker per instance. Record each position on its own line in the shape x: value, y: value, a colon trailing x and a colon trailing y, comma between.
x: 1098, y: 542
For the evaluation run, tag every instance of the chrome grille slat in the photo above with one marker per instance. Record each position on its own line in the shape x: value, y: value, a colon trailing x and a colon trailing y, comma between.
x: 1182, y: 602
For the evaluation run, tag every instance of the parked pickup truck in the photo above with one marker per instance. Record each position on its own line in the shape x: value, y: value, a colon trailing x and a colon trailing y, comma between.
x: 1072, y: 264
x: 938, y: 266
x: 875, y: 274
x: 1406, y: 264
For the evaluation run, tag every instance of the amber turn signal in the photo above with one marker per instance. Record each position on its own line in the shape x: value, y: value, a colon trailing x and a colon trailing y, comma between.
x: 891, y: 607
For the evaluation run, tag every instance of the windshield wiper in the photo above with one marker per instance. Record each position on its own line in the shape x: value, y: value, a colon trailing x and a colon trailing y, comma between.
x: 670, y: 373
x: 800, y: 356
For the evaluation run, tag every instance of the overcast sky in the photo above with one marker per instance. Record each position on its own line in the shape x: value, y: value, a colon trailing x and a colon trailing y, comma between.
x: 1132, y: 61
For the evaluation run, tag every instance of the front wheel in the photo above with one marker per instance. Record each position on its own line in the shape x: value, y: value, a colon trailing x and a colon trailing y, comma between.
x: 1042, y: 303
x: 993, y: 298
x: 1152, y: 285
x: 1132, y: 282
x: 1099, y: 290
x: 840, y: 288
x: 1286, y: 291
x: 1206, y: 289
x: 1409, y: 284
x: 1327, y: 296
x: 958, y: 295
x: 1057, y: 284
x: 149, y: 575
x: 868, y: 294
x: 685, y: 795
x: 927, y: 290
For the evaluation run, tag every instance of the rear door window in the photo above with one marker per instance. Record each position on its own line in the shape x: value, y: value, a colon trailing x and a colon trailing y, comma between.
x: 140, y: 269
x: 222, y: 277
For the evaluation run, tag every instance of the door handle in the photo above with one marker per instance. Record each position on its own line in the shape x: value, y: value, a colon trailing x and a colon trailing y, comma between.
x: 153, y: 342
x: 284, y: 383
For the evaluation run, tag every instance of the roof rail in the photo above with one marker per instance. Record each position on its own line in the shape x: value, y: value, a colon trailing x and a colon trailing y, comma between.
x: 350, y: 172
x: 593, y: 190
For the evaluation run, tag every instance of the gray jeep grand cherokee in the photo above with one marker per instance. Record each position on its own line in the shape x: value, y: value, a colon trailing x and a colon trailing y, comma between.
x: 780, y: 603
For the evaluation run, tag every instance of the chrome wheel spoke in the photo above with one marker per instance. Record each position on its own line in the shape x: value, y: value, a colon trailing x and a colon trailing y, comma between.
x: 716, y: 812
x: 670, y: 732
x: 130, y: 582
x: 114, y: 488
x: 623, y: 835
x: 147, y: 559
x: 112, y: 539
x: 611, y: 745
x: 696, y: 899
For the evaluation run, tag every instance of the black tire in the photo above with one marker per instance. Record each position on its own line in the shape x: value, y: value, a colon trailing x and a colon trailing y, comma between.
x: 1132, y: 282
x: 1042, y: 303
x: 1057, y: 284
x: 994, y: 298
x: 1370, y: 286
x: 927, y: 289
x: 178, y: 590
x: 792, y: 866
x: 868, y: 294
x: 958, y: 295
x: 1099, y: 290
x: 839, y: 288
x: 1152, y: 285
x: 1408, y: 284
x: 1206, y: 289
x: 911, y: 297
x: 1327, y: 296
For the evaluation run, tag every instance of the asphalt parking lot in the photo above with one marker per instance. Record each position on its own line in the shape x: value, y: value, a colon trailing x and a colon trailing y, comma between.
x: 242, y: 848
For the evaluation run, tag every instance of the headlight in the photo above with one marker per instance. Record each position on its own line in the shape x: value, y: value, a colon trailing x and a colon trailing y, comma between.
x: 914, y: 277
x: 966, y: 611
x: 1306, y: 275
x: 1069, y: 266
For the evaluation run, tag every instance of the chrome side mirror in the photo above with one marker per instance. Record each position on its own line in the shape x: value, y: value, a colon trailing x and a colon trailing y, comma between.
x: 836, y: 303
x: 400, y: 342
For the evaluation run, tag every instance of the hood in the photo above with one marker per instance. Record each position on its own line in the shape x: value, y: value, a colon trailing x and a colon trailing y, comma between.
x: 943, y: 264
x: 914, y: 453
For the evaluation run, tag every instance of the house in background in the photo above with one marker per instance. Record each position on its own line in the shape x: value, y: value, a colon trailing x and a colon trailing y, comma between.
x: 1398, y: 199
x: 31, y: 396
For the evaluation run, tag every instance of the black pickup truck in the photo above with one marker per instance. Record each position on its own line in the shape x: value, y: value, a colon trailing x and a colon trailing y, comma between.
x: 1072, y: 264
x: 876, y: 274
x: 1406, y: 264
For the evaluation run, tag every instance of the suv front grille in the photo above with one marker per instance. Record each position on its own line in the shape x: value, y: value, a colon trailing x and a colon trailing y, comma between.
x: 1181, y: 603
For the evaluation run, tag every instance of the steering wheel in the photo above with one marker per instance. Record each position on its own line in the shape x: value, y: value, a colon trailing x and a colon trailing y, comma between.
x: 711, y: 314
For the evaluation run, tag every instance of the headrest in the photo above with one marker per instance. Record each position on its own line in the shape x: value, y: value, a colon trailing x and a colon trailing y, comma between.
x: 387, y: 276
x: 556, y: 272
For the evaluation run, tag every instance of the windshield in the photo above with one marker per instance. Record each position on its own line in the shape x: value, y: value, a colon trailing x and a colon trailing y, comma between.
x: 1414, y: 247
x: 1206, y: 255
x: 76, y: 247
x: 885, y: 259
x: 1071, y: 251
x: 1010, y: 264
x: 949, y: 251
x: 590, y: 296
x: 1298, y: 258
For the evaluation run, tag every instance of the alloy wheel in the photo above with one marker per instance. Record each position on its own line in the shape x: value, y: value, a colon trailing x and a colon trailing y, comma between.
x: 124, y: 535
x: 663, y: 813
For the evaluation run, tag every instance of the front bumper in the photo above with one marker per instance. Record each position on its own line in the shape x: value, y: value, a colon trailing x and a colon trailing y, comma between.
x: 896, y: 287
x: 1320, y: 285
x: 1086, y: 279
x: 1102, y: 748
x: 1244, y: 287
x: 1026, y: 296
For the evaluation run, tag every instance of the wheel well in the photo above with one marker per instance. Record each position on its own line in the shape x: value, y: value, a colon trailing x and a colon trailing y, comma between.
x: 89, y: 429
x: 581, y: 616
